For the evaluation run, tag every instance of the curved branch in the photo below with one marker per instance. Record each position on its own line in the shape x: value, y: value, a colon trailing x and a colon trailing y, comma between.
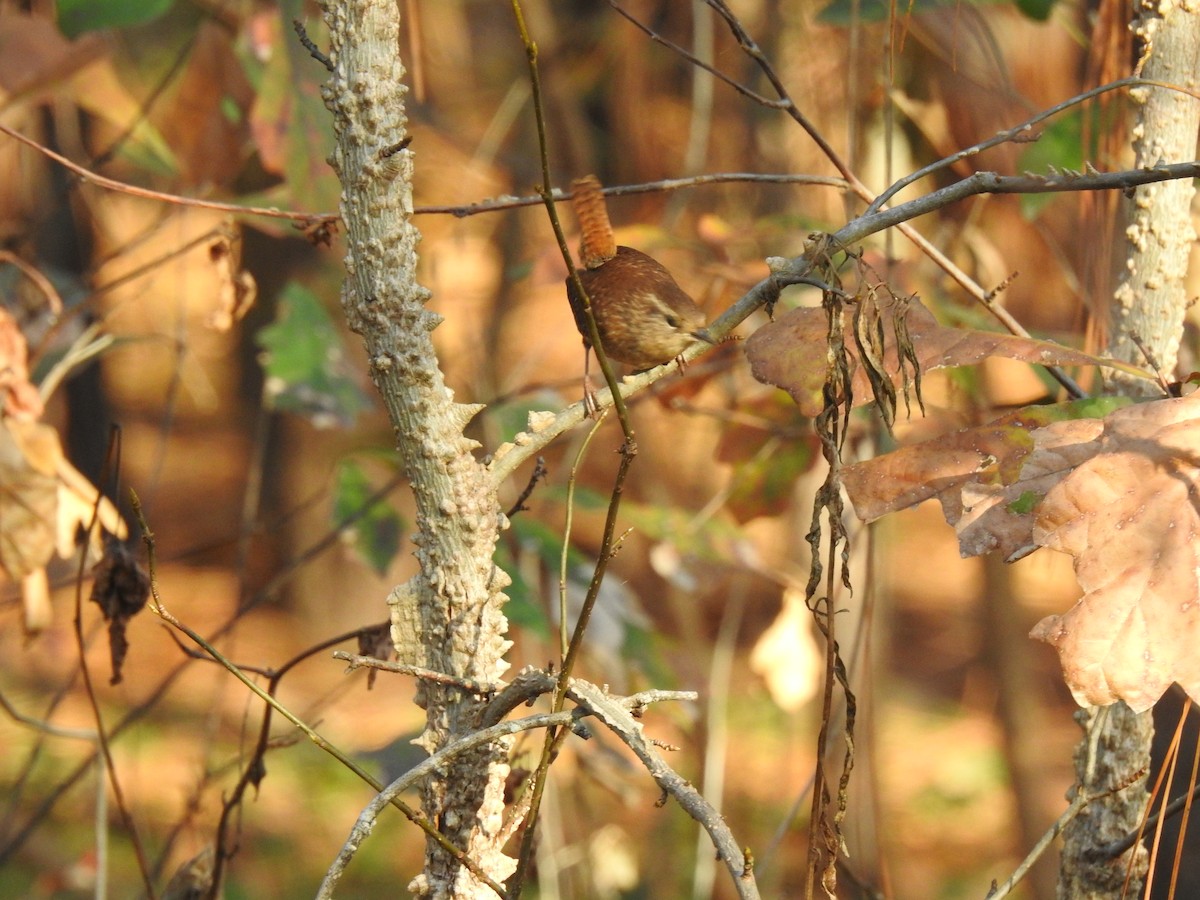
x: 591, y: 701
x: 365, y: 823
x: 613, y: 713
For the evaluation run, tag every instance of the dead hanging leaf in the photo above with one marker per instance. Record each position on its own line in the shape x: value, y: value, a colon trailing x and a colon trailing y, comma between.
x: 376, y: 641
x: 44, y: 503
x: 1120, y: 494
x: 790, y: 352
x: 120, y: 589
x: 193, y: 879
x: 37, y: 613
x: 872, y: 338
x: 985, y: 477
x: 1130, y: 517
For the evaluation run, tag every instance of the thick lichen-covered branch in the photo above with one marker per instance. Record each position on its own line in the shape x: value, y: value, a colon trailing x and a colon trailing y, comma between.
x: 455, y: 601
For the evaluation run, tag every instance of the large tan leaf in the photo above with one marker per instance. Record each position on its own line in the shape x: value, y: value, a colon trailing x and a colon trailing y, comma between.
x: 988, y: 478
x: 1130, y: 516
x: 790, y: 352
x: 1120, y: 494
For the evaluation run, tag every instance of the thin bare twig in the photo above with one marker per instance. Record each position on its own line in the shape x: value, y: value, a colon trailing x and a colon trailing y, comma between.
x: 627, y: 190
x: 103, y: 739
x: 82, y: 734
x: 539, y: 472
x: 307, y: 42
x: 366, y: 819
x: 461, y: 210
x: 615, y: 714
x: 592, y: 702
x: 85, y: 174
x: 40, y: 281
x: 255, y: 769
x: 161, y: 611
x: 554, y: 737
x: 699, y: 63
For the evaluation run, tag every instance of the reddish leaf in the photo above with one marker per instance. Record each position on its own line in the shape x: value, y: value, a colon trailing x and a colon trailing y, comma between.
x: 987, y: 478
x: 18, y: 396
x: 205, y: 122
x: 790, y: 352
x: 768, y: 449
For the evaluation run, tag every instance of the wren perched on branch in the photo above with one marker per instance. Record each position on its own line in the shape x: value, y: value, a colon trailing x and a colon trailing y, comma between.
x: 644, y: 317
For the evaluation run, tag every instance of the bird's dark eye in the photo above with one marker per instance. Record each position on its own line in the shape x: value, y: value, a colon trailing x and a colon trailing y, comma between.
x: 672, y: 321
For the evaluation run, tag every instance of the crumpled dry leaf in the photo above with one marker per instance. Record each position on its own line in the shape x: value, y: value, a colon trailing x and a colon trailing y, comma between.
x: 120, y: 589
x: 28, y: 496
x: 236, y: 288
x: 1130, y: 517
x: 44, y: 502
x: 193, y: 879
x: 790, y: 352
x: 988, y: 478
x: 1119, y: 494
x: 376, y: 642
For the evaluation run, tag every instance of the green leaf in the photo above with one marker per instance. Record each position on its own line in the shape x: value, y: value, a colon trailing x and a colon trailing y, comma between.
x: 305, y: 363
x: 765, y: 484
x: 842, y: 13
x: 78, y: 16
x: 547, y: 543
x: 1038, y: 10
x: 376, y: 527
x: 1026, y: 503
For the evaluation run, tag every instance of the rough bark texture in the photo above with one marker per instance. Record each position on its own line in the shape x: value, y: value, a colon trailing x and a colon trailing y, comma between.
x: 454, y: 604
x: 1114, y: 750
x: 1148, y: 303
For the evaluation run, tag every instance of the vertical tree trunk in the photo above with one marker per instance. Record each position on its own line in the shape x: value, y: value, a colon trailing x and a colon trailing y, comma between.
x: 449, y: 616
x: 1149, y: 302
x: 1148, y: 306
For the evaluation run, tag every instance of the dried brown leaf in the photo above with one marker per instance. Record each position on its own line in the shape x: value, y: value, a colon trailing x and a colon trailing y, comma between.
x: 790, y: 352
x: 988, y: 478
x: 1130, y: 516
x: 121, y: 588
x: 787, y: 657
x: 1120, y: 494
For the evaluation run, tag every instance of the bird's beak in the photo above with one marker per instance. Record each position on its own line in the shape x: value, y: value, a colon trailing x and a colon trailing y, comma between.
x: 703, y: 335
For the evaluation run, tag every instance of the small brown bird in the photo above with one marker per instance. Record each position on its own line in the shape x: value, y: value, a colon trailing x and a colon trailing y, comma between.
x: 644, y: 317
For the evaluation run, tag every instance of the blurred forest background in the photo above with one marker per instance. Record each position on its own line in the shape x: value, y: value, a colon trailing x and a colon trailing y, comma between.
x: 247, y: 425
